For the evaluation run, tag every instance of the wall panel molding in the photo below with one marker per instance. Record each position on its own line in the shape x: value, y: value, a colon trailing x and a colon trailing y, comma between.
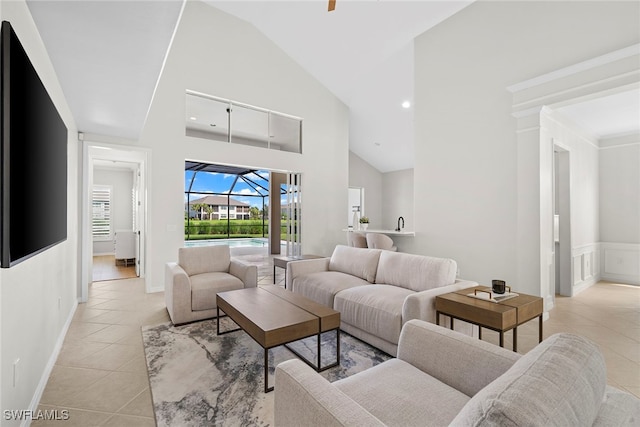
x: 586, y: 266
x: 620, y: 262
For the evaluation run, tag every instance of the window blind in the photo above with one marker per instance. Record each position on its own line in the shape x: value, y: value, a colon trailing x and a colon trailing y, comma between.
x: 101, y: 208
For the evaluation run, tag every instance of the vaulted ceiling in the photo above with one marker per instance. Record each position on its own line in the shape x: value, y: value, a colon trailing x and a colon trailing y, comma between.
x: 108, y: 56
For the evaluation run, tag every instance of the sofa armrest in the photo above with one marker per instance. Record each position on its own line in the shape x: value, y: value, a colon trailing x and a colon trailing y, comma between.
x: 422, y: 305
x: 305, y: 266
x: 460, y: 361
x: 177, y: 293
x: 245, y: 272
x: 304, y: 398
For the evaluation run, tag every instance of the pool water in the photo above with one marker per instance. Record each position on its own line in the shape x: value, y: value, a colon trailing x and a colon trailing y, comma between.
x: 232, y: 243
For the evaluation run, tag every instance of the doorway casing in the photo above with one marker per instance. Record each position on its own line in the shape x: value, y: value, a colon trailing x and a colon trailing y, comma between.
x: 92, y: 151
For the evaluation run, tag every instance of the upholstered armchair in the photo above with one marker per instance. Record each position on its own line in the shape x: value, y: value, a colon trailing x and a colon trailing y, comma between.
x: 356, y: 240
x: 192, y: 283
x: 380, y: 241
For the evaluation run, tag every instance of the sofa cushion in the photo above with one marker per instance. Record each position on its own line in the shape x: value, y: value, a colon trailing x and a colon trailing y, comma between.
x: 415, y: 272
x: 205, y: 259
x: 322, y: 286
x: 205, y: 286
x: 376, y: 309
x: 399, y: 394
x: 618, y: 409
x: 559, y: 382
x: 358, y: 262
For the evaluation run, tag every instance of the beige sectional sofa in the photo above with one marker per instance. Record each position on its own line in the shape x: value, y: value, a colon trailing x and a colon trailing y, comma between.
x: 376, y: 291
x: 442, y: 378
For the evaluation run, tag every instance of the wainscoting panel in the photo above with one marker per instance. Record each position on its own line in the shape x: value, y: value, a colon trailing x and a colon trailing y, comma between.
x: 586, y: 266
x: 621, y: 262
x: 577, y: 269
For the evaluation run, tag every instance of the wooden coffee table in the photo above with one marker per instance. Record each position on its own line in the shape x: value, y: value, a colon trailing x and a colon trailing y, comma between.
x: 284, y: 260
x: 498, y: 316
x: 273, y: 316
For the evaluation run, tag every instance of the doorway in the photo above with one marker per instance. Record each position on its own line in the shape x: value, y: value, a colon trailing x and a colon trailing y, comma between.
x: 114, y: 220
x: 562, y: 220
x: 123, y: 211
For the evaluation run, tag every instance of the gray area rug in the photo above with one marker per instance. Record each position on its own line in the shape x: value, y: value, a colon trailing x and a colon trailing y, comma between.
x: 200, y: 379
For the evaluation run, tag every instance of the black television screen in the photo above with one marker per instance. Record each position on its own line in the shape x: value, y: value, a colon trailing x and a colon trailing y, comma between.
x: 33, y: 206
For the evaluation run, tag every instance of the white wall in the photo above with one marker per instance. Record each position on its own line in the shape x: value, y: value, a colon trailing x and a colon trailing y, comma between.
x: 218, y: 54
x: 397, y: 196
x: 38, y: 296
x: 363, y: 175
x: 620, y: 209
x: 121, y: 182
x: 468, y: 164
x: 584, y: 198
x: 620, y: 192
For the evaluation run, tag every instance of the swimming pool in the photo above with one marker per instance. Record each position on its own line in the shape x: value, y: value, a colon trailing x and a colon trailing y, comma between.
x: 232, y: 243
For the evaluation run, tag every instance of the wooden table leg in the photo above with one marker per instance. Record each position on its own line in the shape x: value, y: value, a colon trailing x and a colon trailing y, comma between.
x: 515, y: 339
x: 501, y: 339
x: 274, y: 274
x: 437, y: 318
x: 540, y: 329
x: 267, y: 389
x: 319, y: 350
x: 479, y: 332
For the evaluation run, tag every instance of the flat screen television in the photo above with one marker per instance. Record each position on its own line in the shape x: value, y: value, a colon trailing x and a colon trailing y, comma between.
x: 33, y: 158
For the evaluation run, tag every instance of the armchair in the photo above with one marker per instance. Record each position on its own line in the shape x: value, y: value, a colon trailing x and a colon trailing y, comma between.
x: 442, y: 377
x: 356, y: 240
x: 380, y: 241
x: 192, y: 283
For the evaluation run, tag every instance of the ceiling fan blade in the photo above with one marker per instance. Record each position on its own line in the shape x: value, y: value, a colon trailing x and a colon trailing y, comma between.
x: 332, y: 5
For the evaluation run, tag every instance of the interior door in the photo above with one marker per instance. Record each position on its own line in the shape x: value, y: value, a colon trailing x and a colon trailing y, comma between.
x: 137, y: 217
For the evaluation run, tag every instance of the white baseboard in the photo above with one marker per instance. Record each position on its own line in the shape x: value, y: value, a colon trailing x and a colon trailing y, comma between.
x: 585, y: 285
x: 35, y: 401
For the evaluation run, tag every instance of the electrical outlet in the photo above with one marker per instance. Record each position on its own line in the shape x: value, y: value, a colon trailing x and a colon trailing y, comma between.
x: 15, y: 372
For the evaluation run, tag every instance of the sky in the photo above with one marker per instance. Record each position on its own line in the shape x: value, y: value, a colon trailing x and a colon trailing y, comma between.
x: 221, y: 183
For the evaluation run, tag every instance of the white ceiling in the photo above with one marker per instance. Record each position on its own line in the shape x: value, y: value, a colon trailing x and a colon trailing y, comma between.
x: 609, y: 116
x: 108, y: 56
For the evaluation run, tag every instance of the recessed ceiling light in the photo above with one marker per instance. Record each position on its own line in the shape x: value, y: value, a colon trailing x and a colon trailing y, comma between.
x: 193, y: 118
x: 406, y: 104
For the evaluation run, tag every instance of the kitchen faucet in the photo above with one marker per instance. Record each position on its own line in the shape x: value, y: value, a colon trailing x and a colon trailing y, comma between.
x: 400, y: 218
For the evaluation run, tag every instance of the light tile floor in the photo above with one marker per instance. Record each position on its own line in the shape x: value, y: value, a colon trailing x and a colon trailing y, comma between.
x: 101, y: 377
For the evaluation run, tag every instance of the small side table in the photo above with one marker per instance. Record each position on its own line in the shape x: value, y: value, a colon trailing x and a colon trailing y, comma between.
x: 283, y: 261
x: 498, y: 316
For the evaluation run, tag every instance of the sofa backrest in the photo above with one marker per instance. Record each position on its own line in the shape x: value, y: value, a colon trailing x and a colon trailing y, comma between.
x: 204, y: 259
x: 415, y: 272
x: 560, y: 382
x: 359, y: 262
